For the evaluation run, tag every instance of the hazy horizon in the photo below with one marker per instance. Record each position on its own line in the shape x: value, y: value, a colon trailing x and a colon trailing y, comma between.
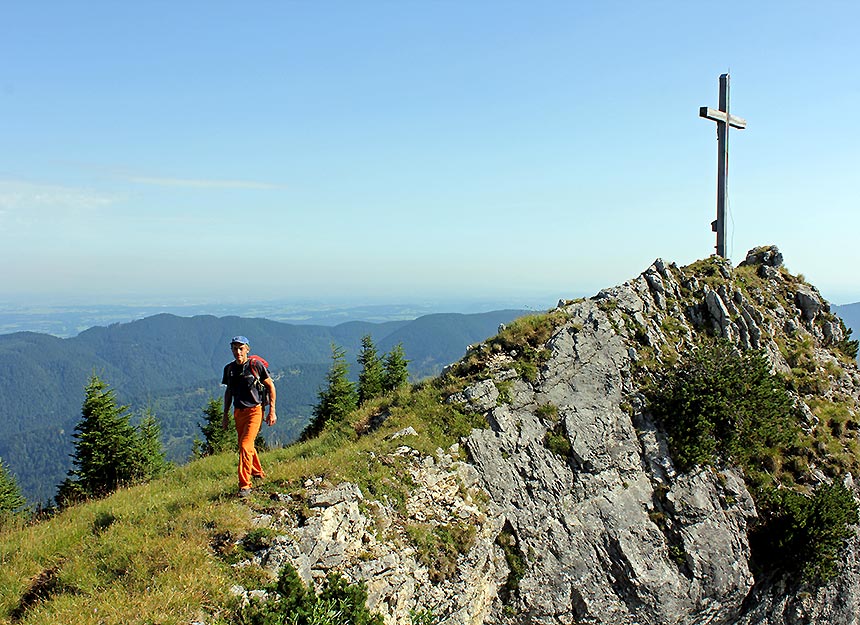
x: 65, y: 321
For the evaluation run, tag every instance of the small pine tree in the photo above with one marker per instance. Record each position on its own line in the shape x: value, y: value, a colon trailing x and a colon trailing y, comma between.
x: 847, y: 345
x: 804, y: 534
x: 396, y: 369
x: 290, y: 601
x: 722, y: 404
x: 337, y: 400
x: 151, y: 460
x: 216, y: 438
x: 11, y: 499
x: 372, y: 372
x: 109, y: 451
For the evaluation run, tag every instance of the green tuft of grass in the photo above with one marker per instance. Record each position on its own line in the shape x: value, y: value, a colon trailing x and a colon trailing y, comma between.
x: 439, y: 546
x: 524, y: 339
x: 516, y: 561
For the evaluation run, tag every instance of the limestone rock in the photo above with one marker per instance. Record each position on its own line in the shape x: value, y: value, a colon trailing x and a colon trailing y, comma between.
x: 808, y: 301
x: 768, y: 256
x: 366, y: 541
x: 480, y: 397
x: 599, y: 551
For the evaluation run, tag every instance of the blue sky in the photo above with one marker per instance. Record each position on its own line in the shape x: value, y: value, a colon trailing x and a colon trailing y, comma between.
x: 396, y: 150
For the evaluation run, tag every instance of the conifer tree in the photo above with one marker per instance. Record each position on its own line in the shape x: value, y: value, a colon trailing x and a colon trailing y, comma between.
x: 337, y: 400
x: 108, y: 450
x: 11, y: 499
x: 372, y: 372
x: 396, y: 369
x: 151, y: 461
x: 216, y: 438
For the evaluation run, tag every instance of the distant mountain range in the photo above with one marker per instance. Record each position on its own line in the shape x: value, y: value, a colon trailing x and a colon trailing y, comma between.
x: 173, y: 366
x: 70, y: 319
x: 850, y: 314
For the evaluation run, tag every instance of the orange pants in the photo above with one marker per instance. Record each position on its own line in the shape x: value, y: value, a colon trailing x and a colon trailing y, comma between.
x: 248, y: 422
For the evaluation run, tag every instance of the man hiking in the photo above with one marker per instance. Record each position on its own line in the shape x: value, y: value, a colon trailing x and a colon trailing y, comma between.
x: 242, y: 378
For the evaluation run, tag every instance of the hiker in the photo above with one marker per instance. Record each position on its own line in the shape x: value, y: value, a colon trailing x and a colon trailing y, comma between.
x: 241, y: 379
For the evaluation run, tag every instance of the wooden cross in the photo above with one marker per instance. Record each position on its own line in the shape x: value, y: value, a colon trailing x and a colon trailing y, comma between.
x: 724, y: 121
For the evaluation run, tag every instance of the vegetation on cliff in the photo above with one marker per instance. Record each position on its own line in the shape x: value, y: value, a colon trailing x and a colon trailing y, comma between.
x: 792, y: 430
x: 722, y: 406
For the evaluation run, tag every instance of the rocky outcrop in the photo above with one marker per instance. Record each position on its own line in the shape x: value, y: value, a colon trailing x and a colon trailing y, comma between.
x: 613, y: 535
x: 340, y: 530
x: 577, y: 482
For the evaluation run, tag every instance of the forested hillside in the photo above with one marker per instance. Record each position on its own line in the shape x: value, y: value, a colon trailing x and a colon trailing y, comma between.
x: 173, y: 366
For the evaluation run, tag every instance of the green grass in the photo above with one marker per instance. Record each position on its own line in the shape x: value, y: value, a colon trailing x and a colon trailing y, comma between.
x: 517, y: 564
x: 547, y: 412
x: 525, y: 338
x: 162, y: 552
x: 140, y: 555
x: 707, y: 271
x: 557, y: 442
x: 438, y: 546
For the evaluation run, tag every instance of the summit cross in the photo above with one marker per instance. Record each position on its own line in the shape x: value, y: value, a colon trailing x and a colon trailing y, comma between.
x: 724, y: 121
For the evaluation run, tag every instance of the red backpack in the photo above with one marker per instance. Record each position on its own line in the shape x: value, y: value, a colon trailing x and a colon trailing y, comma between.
x: 255, y: 363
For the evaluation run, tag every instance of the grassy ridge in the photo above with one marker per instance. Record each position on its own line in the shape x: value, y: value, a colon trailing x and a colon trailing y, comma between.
x: 161, y: 552
x: 142, y: 551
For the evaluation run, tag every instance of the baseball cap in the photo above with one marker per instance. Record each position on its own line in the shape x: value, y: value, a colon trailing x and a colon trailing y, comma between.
x: 240, y: 339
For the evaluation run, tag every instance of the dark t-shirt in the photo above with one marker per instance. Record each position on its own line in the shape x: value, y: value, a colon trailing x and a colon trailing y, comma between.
x: 240, y: 380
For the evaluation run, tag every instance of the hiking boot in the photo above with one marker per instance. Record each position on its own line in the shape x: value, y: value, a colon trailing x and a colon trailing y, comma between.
x: 244, y: 493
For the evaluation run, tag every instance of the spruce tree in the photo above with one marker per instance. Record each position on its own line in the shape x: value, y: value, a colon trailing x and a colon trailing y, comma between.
x: 396, y: 369
x: 11, y: 499
x: 216, y: 439
x: 337, y: 400
x: 372, y: 372
x: 151, y: 461
x: 108, y: 449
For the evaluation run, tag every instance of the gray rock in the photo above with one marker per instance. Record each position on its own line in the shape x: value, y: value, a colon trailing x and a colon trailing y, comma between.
x: 410, y: 431
x: 766, y: 256
x: 719, y: 314
x: 808, y: 301
x: 482, y: 396
x: 597, y: 554
x: 332, y: 496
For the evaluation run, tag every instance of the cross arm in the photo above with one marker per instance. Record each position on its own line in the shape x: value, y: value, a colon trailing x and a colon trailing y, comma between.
x: 720, y: 116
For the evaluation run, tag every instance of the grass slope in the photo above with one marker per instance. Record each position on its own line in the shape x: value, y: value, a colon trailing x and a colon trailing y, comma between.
x: 162, y: 552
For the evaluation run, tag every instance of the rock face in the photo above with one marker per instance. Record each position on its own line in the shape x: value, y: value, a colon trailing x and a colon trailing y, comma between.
x: 615, y: 536
x: 579, y: 486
